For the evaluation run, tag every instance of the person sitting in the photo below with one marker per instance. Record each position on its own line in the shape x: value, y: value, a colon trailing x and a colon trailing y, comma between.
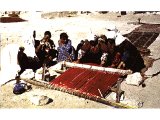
x: 45, y: 50
x: 108, y: 58
x: 131, y: 58
x: 66, y: 51
x: 103, y: 43
x: 78, y: 50
x: 26, y: 62
x: 90, y: 53
x: 22, y: 60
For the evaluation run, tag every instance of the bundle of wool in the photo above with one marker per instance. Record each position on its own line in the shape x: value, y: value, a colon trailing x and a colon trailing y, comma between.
x: 39, y: 100
x: 27, y: 74
x: 134, y: 79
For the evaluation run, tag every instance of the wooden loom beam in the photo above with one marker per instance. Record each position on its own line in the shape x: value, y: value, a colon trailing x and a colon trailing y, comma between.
x: 60, y: 85
x: 76, y: 93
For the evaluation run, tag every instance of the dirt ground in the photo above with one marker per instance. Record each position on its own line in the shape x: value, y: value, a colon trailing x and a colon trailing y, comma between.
x: 78, y: 27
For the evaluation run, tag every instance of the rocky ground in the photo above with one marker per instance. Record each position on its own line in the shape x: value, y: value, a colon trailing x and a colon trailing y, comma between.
x: 78, y: 27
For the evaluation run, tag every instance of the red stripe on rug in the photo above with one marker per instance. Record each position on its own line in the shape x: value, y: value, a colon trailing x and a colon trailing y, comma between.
x: 90, y: 82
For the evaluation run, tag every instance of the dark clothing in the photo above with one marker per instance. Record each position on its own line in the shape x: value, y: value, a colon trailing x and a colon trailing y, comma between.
x: 116, y: 61
x: 26, y: 62
x: 111, y: 59
x: 92, y: 52
x: 131, y: 56
x: 35, y: 63
x: 37, y: 42
x: 45, y: 51
x: 79, y: 46
x: 111, y: 51
x: 23, y: 61
x: 90, y: 57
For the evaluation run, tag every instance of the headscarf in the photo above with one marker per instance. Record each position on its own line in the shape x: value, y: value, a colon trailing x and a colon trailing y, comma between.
x: 113, y: 33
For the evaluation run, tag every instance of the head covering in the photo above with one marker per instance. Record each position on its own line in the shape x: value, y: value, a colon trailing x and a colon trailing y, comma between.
x: 21, y: 48
x: 92, y: 37
x: 64, y: 35
x: 111, y: 35
x: 48, y: 33
x: 111, y: 31
x: 100, y: 39
x: 112, y: 27
x: 119, y: 39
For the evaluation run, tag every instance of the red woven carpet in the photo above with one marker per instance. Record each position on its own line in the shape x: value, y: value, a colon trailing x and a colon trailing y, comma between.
x: 86, y: 81
x: 11, y: 19
x: 144, y: 35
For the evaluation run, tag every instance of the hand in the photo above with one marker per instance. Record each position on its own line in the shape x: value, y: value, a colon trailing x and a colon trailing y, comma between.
x: 61, y: 42
x: 102, y: 63
x: 77, y: 61
x: 41, y: 43
x: 121, y: 65
x: 50, y: 58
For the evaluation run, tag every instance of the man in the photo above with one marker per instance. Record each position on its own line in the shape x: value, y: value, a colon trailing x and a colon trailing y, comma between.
x: 45, y: 49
